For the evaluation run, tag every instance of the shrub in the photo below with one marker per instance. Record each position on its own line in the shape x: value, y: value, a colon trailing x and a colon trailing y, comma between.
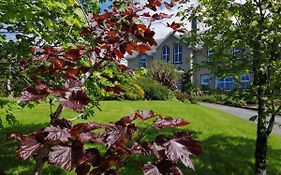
x: 226, y: 99
x: 184, y: 97
x: 154, y: 90
x: 133, y: 92
x: 164, y: 73
x: 186, y: 83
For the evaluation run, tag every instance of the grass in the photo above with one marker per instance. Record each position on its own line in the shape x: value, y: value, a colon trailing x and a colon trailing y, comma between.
x: 228, y: 141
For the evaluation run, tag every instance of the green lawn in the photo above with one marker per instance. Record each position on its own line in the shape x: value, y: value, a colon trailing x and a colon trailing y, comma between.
x: 228, y: 141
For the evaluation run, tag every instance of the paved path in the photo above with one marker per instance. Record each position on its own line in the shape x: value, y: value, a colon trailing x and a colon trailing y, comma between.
x: 243, y: 113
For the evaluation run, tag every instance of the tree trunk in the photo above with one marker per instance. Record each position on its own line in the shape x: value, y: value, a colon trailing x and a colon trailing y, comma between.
x: 261, y: 141
x: 260, y: 154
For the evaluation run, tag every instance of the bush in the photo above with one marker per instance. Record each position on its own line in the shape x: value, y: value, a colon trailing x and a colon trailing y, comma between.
x: 164, y: 73
x: 186, y: 83
x: 226, y: 99
x: 133, y: 92
x: 184, y: 97
x: 153, y: 90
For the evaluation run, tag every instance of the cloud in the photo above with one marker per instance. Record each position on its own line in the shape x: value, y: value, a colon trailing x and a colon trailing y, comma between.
x: 160, y: 26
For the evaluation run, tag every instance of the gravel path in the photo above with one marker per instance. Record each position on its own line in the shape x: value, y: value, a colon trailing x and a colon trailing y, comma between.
x: 243, y: 113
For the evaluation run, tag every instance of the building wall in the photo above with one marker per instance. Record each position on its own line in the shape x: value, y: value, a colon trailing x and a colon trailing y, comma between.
x: 186, y: 52
x: 199, y: 56
x: 134, y: 63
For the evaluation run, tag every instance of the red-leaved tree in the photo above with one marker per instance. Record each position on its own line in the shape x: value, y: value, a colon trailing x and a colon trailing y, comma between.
x: 67, y: 75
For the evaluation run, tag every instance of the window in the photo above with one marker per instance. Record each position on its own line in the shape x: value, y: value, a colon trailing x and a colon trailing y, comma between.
x: 166, y: 53
x: 245, y: 80
x: 228, y: 83
x: 177, y: 53
x: 210, y: 52
x: 219, y: 83
x: 143, y: 59
x: 237, y: 53
x: 205, y: 80
x: 224, y: 83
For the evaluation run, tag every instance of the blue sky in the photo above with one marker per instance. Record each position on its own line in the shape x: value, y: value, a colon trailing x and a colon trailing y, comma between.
x: 104, y: 6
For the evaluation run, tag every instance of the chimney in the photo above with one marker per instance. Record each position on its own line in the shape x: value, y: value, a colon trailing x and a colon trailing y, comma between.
x: 194, y: 24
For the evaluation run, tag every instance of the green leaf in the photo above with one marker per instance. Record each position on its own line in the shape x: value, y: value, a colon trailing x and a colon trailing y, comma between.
x: 79, y: 13
x: 253, y: 118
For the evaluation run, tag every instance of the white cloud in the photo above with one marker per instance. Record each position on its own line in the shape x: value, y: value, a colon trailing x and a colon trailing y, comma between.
x: 160, y: 27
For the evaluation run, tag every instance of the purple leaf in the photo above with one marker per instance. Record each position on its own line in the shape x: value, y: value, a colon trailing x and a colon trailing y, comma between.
x: 138, y: 148
x: 27, y: 96
x: 185, y: 139
x: 168, y: 167
x: 112, y: 134
x: 28, y: 147
x: 176, y: 151
x: 73, y: 84
x: 76, y: 101
x: 84, y: 127
x: 150, y: 169
x: 126, y: 120
x: 87, y: 137
x: 164, y: 122
x: 61, y: 156
x: 144, y: 115
x: 57, y: 134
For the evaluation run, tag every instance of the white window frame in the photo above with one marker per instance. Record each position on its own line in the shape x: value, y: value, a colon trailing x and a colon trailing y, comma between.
x: 210, y: 52
x: 205, y: 76
x: 143, y: 60
x: 166, y: 53
x: 177, y: 52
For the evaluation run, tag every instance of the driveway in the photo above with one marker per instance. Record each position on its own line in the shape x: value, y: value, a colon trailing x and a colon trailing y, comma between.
x: 243, y: 113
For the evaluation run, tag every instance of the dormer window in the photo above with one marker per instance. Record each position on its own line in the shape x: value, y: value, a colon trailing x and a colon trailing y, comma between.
x: 166, y: 53
x: 177, y: 53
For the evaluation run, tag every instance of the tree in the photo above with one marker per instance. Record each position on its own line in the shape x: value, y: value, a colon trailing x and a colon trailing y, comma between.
x: 65, y: 73
x: 24, y: 24
x: 251, y: 27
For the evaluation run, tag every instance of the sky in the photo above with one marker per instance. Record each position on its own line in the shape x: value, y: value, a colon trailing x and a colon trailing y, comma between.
x: 160, y: 27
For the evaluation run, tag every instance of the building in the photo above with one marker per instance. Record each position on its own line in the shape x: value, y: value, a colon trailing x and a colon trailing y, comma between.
x: 172, y: 50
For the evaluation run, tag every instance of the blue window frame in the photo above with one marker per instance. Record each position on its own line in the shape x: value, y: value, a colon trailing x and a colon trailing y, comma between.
x: 177, y: 53
x: 143, y: 60
x: 166, y: 53
x: 245, y: 80
x: 219, y: 83
x: 226, y: 83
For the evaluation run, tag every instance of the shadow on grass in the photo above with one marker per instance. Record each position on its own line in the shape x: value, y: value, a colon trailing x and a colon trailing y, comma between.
x: 232, y: 156
x: 223, y: 155
x: 9, y: 162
